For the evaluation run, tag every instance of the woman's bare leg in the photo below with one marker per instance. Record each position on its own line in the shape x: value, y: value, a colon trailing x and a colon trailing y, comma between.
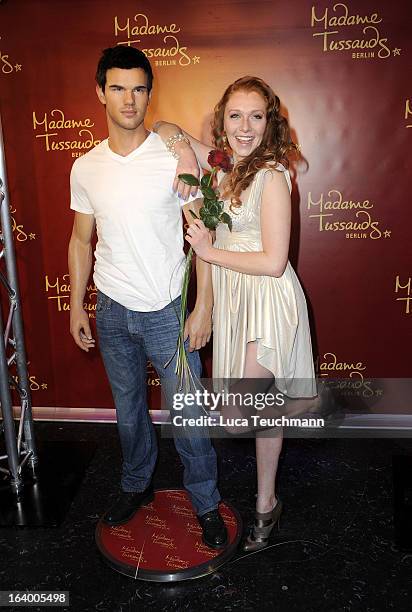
x: 268, y: 442
x: 267, y: 457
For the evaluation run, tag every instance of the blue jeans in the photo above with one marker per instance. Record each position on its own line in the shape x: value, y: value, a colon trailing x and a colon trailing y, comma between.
x: 127, y: 340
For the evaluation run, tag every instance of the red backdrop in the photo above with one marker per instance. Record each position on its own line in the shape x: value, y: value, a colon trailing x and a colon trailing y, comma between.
x: 342, y: 71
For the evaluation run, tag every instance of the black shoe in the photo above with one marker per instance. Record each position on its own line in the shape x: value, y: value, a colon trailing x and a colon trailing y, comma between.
x: 126, y: 505
x: 214, y: 529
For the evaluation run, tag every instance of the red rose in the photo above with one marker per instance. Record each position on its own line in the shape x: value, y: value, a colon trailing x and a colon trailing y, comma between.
x: 219, y: 159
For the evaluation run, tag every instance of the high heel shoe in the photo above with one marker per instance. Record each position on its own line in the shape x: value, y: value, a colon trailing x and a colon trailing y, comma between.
x: 260, y: 532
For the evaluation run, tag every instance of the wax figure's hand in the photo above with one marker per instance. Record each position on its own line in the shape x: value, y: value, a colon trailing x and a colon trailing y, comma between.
x: 187, y: 164
x: 80, y: 329
x: 199, y: 237
x: 198, y: 327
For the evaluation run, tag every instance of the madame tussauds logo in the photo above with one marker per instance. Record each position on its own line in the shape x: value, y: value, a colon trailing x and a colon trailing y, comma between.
x: 176, y: 562
x: 408, y: 113
x: 403, y: 291
x: 18, y: 228
x: 334, y: 213
x: 365, y: 41
x: 52, y: 128
x: 7, y: 65
x: 35, y: 385
x: 58, y: 291
x: 348, y: 376
x: 330, y: 365
x: 165, y: 50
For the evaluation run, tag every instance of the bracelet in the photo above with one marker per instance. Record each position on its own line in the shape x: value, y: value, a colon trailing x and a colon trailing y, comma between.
x: 171, y: 143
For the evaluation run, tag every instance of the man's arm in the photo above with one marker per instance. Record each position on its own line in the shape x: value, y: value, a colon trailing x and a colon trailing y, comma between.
x: 80, y: 265
x: 202, y: 150
x: 199, y: 323
x: 189, y: 155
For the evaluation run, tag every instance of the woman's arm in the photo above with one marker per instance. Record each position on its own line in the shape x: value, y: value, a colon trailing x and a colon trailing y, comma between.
x: 275, y: 219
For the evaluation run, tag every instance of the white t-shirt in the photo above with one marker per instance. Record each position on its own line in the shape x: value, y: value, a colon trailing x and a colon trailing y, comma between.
x: 139, y: 253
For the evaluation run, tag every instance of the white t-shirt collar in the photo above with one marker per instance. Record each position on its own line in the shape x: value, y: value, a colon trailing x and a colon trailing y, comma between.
x: 124, y: 159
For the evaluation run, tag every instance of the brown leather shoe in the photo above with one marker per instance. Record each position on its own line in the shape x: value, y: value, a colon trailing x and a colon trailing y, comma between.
x: 261, y: 530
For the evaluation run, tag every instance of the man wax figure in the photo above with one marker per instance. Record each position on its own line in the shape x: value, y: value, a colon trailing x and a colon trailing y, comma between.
x: 123, y: 187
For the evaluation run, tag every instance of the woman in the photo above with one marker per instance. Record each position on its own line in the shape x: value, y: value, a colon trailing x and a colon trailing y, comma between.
x: 260, y: 322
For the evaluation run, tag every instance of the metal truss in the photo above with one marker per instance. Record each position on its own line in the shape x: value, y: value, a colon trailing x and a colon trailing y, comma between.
x: 19, y: 439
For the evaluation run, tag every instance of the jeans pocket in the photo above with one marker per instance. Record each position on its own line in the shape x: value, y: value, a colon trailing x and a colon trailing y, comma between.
x: 103, y: 302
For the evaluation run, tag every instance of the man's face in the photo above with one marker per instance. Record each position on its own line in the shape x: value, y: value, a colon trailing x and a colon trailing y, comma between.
x: 126, y: 97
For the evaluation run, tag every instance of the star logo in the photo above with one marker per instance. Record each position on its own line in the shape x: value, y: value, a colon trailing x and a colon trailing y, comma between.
x: 196, y: 59
x: 32, y: 236
x: 17, y: 67
x: 43, y: 386
x: 387, y: 233
x: 378, y: 392
x: 396, y: 51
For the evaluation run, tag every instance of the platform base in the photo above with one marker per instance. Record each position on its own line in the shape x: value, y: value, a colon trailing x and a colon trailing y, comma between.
x: 163, y: 541
x: 48, y: 492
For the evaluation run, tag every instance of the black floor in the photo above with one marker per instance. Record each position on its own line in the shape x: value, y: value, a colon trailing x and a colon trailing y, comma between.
x: 334, y: 552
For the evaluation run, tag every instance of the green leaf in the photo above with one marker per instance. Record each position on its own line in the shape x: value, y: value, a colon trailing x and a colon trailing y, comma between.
x: 204, y: 181
x: 220, y: 207
x: 225, y: 218
x: 213, y: 209
x: 208, y: 193
x: 211, y: 222
x: 189, y: 179
x: 207, y: 202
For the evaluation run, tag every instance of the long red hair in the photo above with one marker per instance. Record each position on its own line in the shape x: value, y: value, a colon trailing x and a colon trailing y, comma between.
x: 276, y: 143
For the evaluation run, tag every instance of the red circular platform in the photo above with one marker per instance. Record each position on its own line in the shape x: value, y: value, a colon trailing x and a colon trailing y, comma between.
x: 163, y: 541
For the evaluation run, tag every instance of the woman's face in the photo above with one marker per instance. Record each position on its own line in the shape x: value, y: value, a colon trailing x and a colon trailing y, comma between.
x: 244, y: 122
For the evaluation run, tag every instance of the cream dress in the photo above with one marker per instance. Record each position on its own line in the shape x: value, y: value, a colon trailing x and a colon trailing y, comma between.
x: 270, y: 310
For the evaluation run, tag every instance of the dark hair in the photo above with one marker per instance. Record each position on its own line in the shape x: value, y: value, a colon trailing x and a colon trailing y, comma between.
x: 123, y: 57
x: 276, y: 142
